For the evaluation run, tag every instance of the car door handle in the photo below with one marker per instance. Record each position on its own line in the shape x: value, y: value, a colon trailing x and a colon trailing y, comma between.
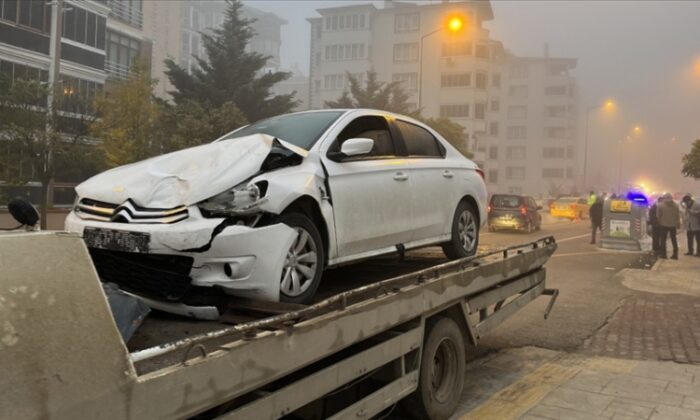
x: 448, y: 174
x: 400, y: 176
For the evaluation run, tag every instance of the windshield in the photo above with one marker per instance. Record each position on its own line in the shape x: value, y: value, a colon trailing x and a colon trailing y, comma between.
x: 302, y: 130
x: 566, y: 200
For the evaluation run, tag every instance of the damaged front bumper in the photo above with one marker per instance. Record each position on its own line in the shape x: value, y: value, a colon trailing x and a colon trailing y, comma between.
x: 197, y: 252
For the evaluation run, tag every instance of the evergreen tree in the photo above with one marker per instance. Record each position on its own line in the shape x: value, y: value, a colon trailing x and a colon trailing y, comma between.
x: 691, y: 162
x: 230, y: 73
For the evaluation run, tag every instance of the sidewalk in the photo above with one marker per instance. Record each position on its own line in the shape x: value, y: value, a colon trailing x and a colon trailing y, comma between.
x: 532, y: 383
x: 667, y: 276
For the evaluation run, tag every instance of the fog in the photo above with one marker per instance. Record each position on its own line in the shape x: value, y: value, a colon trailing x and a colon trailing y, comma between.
x: 641, y: 54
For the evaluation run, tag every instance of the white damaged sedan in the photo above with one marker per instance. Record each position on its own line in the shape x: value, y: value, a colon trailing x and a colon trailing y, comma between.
x: 262, y: 211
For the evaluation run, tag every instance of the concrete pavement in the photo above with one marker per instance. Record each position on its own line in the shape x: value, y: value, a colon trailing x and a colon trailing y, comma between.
x: 532, y: 383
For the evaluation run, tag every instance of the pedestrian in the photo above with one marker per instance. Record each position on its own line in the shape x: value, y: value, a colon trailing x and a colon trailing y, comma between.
x: 691, y: 223
x: 669, y: 217
x: 592, y: 198
x: 655, y: 228
x: 595, y: 213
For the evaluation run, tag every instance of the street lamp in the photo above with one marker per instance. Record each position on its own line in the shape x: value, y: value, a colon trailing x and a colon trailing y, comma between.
x: 608, y: 105
x: 636, y: 130
x: 454, y: 24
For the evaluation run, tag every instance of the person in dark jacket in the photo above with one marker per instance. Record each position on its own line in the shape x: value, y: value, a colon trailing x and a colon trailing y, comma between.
x: 655, y: 228
x: 595, y: 213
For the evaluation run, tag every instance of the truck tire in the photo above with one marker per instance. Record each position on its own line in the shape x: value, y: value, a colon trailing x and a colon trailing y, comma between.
x: 441, y: 379
x: 465, y: 228
x: 304, y: 259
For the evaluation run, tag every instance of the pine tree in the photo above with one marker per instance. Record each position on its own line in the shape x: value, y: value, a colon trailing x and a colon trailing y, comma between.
x: 230, y: 73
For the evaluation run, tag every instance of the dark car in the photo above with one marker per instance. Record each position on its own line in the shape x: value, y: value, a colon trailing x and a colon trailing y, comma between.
x: 510, y: 211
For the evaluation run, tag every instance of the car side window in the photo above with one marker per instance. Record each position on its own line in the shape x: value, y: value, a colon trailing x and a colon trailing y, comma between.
x: 419, y: 142
x: 370, y: 127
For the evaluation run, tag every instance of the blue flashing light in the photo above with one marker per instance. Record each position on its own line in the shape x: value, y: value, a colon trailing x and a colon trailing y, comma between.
x: 638, y: 197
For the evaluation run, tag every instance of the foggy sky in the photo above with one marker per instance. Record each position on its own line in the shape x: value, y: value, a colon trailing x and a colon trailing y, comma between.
x: 639, y: 53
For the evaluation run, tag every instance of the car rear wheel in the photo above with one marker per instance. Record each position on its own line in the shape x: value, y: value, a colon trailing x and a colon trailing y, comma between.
x: 303, y: 264
x: 465, y: 233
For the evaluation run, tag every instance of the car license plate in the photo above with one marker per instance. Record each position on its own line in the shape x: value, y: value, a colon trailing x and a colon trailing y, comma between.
x: 116, y: 240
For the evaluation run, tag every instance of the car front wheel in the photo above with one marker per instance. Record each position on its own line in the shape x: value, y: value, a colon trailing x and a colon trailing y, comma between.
x: 465, y: 233
x: 303, y: 264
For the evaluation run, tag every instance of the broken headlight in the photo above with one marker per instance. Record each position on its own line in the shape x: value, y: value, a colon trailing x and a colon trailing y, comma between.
x: 240, y: 200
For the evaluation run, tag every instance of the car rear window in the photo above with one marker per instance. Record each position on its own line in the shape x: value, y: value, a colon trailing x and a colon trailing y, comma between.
x: 419, y: 142
x: 506, y: 201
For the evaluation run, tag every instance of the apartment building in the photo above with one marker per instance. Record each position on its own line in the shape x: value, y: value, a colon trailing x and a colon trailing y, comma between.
x: 100, y: 39
x: 511, y: 107
x: 537, y: 151
x: 457, y: 76
x: 176, y: 28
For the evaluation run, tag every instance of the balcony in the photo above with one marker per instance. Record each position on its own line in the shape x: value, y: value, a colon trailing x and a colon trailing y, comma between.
x: 124, y: 11
x: 116, y: 71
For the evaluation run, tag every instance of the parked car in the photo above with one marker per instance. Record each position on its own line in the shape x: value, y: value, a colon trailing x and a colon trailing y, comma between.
x: 262, y: 211
x: 509, y: 211
x: 573, y: 208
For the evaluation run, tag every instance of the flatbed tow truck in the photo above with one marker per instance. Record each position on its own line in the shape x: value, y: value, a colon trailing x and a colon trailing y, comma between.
x: 354, y: 355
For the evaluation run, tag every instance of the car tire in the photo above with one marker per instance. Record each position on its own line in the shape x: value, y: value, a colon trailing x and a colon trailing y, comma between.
x: 305, y: 258
x: 465, y: 233
x: 443, y: 361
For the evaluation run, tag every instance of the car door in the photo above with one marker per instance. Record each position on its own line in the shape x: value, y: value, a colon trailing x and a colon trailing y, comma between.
x: 433, y: 182
x: 371, y: 194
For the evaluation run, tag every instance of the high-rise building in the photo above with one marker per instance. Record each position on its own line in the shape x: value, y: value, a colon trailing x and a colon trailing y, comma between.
x: 464, y: 75
x: 537, y: 153
x: 176, y: 28
x: 456, y: 76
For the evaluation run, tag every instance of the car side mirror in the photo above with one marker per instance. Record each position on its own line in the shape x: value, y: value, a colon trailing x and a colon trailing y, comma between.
x: 357, y: 146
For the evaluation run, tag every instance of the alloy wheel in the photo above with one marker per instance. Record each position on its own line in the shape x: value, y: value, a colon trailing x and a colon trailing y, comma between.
x: 467, y: 230
x: 299, y: 265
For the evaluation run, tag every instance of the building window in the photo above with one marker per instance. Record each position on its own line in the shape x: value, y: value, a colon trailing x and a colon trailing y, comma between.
x: 493, y: 176
x: 406, y: 52
x: 408, y: 22
x: 30, y: 13
x: 516, y: 152
x: 517, y: 132
x: 121, y: 53
x: 344, y: 22
x: 496, y: 80
x: 334, y: 81
x: 552, y: 172
x: 569, y: 152
x: 558, y: 69
x: 569, y: 173
x: 78, y: 95
x: 453, y: 49
x: 344, y: 52
x: 493, y: 152
x: 408, y: 81
x: 515, y: 172
x: 515, y: 190
x: 519, y: 91
x: 130, y: 12
x: 84, y: 27
x: 555, y: 90
x: 495, y: 105
x: 455, y: 79
x: 518, y: 71
x: 493, y: 128
x: 517, y: 111
x: 481, y: 80
x: 555, y: 132
x: 555, y: 111
x: 454, y: 111
x: 480, y: 111
x: 482, y: 51
x: 553, y: 152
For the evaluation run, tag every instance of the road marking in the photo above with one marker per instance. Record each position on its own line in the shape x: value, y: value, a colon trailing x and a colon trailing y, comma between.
x: 572, y: 238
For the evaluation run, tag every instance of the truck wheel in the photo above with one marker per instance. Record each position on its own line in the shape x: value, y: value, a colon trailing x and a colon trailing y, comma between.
x: 465, y: 233
x: 303, y: 265
x: 442, y: 369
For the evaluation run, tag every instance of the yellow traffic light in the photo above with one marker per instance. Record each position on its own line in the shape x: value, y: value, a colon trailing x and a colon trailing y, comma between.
x: 455, y: 24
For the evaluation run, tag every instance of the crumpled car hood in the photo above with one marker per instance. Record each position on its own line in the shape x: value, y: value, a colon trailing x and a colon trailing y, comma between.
x: 184, y: 177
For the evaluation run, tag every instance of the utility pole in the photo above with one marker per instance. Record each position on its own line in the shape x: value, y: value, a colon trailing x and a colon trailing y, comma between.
x: 51, y: 105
